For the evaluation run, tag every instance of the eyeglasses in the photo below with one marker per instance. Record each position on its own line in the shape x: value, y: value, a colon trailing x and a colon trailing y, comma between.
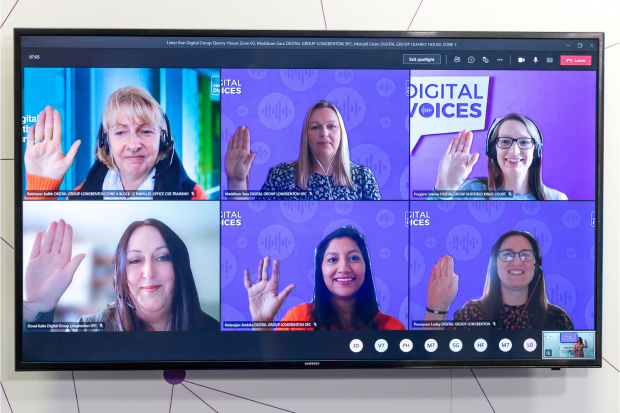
x: 508, y: 255
x: 522, y: 143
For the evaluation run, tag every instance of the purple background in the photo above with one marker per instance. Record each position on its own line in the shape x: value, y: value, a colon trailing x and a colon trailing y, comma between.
x: 563, y: 229
x: 374, y: 107
x: 309, y: 222
x: 563, y: 105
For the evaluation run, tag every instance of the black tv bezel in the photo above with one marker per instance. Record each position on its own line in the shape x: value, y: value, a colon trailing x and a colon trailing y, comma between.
x: 20, y: 365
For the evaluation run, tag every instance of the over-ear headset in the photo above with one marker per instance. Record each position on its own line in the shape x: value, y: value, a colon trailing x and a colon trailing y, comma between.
x: 495, y: 124
x: 166, y: 140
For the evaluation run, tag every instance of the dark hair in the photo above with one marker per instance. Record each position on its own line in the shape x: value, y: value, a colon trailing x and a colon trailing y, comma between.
x: 580, y: 340
x: 366, y: 306
x: 185, y: 311
x: 495, y: 179
x: 492, y: 297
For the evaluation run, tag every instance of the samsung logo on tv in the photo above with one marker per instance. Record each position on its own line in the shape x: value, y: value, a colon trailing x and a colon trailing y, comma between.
x: 311, y: 363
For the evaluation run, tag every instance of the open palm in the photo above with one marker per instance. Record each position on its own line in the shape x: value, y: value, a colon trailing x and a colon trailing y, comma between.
x: 238, y: 157
x: 265, y: 302
x: 50, y: 268
x: 456, y: 163
x: 443, y: 285
x: 44, y: 156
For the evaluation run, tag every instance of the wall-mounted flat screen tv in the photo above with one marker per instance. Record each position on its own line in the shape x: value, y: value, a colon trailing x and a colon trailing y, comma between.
x: 250, y: 199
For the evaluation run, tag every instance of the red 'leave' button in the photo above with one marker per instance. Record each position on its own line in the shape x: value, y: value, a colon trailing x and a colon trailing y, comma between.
x: 576, y: 60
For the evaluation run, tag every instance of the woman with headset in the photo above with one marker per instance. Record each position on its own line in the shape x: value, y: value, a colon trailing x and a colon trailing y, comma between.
x: 514, y: 152
x: 514, y: 295
x: 155, y: 288
x: 134, y: 153
x: 323, y: 170
x: 344, y: 290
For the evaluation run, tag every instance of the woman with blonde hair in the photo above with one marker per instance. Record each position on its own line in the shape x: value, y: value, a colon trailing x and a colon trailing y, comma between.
x: 134, y: 154
x: 323, y: 170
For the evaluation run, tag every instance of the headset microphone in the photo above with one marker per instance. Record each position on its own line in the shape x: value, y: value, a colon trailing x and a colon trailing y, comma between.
x: 166, y: 140
x: 539, y: 271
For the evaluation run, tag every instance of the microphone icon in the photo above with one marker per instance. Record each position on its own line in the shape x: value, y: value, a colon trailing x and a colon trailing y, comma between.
x: 535, y: 60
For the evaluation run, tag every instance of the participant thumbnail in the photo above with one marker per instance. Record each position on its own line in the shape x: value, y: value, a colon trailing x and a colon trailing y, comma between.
x: 513, y: 135
x: 306, y: 265
x: 572, y: 344
x: 118, y: 266
x: 502, y: 265
x: 308, y: 134
x: 116, y: 134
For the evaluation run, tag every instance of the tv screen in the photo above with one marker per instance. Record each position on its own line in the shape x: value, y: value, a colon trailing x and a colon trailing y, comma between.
x: 238, y: 199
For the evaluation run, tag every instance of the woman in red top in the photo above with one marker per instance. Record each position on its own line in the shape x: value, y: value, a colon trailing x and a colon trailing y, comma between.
x: 579, y: 346
x: 344, y: 290
x: 514, y: 294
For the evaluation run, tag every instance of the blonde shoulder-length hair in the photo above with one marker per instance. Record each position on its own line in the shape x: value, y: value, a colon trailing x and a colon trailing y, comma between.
x: 342, y: 162
x: 136, y: 103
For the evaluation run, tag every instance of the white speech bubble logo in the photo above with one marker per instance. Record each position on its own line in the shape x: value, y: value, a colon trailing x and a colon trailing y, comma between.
x: 446, y: 104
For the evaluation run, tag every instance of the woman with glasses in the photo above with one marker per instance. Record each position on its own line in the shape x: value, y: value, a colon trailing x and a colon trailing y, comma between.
x: 514, y: 296
x: 514, y: 157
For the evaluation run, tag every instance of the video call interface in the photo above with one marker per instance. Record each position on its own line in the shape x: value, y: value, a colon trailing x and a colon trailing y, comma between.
x: 308, y: 199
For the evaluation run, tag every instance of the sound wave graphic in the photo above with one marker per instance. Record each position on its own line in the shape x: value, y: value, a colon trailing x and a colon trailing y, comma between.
x: 261, y: 150
x: 416, y: 266
x: 465, y: 242
x: 276, y: 242
x: 344, y: 76
x: 487, y: 207
x: 385, y: 218
x: 344, y: 207
x: 531, y: 207
x: 276, y: 110
x: 376, y: 166
x: 300, y: 207
x: 561, y: 298
x: 540, y: 236
x: 227, y: 266
x: 257, y: 74
x: 347, y: 108
x: 386, y: 86
x: 299, y: 75
x: 571, y: 218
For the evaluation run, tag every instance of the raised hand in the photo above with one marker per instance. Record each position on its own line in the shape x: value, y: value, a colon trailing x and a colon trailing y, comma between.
x: 443, y: 285
x: 44, y: 156
x: 264, y: 298
x: 49, y: 270
x: 456, y: 163
x: 239, y: 159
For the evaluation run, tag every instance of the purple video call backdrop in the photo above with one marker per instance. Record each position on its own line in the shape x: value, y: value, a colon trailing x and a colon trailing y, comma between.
x: 273, y: 104
x: 289, y: 231
x: 562, y: 104
x: 467, y: 230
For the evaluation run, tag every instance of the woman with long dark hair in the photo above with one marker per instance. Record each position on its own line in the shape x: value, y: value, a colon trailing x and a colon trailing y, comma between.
x: 514, y: 292
x: 344, y: 291
x: 579, y: 346
x: 514, y: 158
x: 155, y: 289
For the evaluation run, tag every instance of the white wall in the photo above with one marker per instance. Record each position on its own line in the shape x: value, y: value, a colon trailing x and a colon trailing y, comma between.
x: 511, y: 390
